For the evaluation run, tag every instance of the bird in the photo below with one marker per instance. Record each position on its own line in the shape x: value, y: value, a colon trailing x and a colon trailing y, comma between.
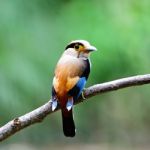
x: 70, y: 77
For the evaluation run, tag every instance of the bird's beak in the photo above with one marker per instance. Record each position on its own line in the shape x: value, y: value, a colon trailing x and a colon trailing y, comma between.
x: 91, y: 48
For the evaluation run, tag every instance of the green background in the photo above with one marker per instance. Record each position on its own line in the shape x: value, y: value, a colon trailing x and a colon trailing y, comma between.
x: 33, y: 35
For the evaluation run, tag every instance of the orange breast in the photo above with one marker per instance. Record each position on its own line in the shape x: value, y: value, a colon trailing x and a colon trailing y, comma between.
x: 67, y: 74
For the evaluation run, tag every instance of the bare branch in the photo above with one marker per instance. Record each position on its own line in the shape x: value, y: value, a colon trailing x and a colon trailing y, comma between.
x: 40, y: 113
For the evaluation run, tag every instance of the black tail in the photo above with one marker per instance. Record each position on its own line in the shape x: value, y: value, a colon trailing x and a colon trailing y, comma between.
x: 68, y: 123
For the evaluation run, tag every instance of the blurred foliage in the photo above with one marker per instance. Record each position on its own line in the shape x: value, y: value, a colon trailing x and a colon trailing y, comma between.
x: 33, y: 36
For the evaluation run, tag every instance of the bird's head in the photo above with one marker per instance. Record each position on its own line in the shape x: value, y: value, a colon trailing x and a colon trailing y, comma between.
x: 80, y: 48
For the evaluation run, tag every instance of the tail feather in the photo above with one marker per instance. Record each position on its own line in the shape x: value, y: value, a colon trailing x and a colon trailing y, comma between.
x: 68, y: 123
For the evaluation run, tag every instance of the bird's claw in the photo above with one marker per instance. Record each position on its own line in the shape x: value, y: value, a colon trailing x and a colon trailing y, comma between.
x: 82, y: 95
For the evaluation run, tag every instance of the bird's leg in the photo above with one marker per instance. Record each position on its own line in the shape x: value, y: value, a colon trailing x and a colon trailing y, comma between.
x: 69, y: 104
x: 54, y: 102
x: 82, y: 94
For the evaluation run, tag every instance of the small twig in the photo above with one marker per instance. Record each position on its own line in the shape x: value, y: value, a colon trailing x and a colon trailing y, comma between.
x: 40, y: 113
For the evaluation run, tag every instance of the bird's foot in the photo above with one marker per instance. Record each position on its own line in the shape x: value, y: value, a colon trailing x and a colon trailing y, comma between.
x: 54, y: 103
x: 69, y: 104
x: 82, y: 95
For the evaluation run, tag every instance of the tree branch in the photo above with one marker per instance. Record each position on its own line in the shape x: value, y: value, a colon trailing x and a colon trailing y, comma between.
x: 40, y: 113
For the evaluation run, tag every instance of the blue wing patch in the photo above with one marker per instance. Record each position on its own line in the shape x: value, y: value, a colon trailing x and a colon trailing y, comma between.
x: 77, y: 89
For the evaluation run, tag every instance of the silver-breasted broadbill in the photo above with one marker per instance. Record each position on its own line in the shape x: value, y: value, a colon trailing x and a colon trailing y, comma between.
x: 71, y: 74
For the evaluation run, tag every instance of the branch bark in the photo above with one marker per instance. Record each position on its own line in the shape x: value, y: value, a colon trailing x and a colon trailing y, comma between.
x: 40, y: 113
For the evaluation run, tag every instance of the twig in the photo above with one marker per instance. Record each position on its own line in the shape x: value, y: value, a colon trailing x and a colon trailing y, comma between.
x: 40, y: 113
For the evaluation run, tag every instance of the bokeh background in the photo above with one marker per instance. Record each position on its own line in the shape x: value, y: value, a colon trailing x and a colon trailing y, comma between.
x: 33, y: 35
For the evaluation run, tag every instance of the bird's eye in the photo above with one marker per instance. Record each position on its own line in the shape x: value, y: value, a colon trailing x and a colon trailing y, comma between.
x: 77, y: 46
